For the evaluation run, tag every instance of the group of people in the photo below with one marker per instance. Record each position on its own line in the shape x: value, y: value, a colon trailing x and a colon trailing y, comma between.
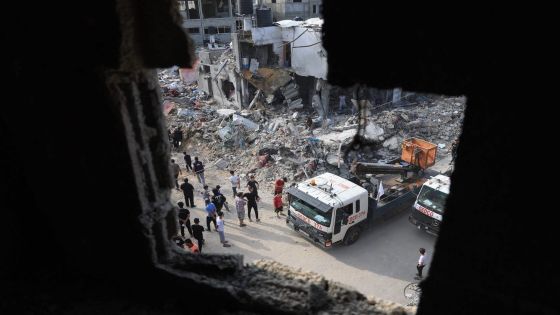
x: 215, y: 200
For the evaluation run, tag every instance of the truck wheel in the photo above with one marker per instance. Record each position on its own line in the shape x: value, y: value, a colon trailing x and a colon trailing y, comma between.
x: 352, y: 236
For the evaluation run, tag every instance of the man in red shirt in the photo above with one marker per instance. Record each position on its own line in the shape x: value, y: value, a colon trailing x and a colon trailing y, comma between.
x: 278, y: 204
x: 279, y: 185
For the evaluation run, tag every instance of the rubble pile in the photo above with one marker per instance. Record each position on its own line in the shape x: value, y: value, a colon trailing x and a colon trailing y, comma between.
x: 272, y: 143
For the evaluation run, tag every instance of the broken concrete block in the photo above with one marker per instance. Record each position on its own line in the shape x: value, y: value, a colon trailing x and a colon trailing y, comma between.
x: 392, y: 143
x: 239, y: 120
x: 225, y: 133
x: 295, y: 115
x: 225, y: 112
x: 221, y: 164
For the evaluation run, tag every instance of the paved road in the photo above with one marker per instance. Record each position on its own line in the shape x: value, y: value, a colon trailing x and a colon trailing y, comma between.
x: 381, y: 263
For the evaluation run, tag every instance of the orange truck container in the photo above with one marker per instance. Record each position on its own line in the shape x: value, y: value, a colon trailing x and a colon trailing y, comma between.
x: 419, y: 152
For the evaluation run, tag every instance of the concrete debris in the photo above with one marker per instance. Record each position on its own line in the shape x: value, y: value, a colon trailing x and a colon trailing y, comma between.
x: 272, y: 140
x: 245, y: 122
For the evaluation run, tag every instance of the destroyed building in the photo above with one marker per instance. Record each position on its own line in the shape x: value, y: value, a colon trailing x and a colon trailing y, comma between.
x: 208, y: 21
x: 293, y: 9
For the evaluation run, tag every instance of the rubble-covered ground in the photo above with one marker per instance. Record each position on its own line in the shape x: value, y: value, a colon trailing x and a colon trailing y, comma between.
x: 273, y: 141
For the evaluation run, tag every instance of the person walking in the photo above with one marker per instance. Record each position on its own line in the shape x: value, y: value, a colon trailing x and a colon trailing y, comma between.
x: 278, y: 204
x: 211, y: 216
x: 184, y: 219
x: 220, y: 229
x: 191, y: 246
x: 197, y: 233
x: 188, y: 193
x: 176, y: 171
x: 188, y: 161
x: 240, y: 203
x: 235, y: 182
x: 199, y: 170
x: 420, y: 264
x: 252, y: 198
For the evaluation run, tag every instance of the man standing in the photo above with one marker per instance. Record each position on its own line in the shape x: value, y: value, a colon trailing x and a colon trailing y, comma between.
x: 235, y: 182
x: 420, y: 264
x: 177, y: 137
x: 252, y: 183
x: 184, y: 219
x: 206, y: 195
x: 199, y: 170
x: 252, y: 198
x: 220, y: 229
x: 197, y: 233
x: 175, y: 170
x: 188, y: 193
x: 188, y: 161
x: 211, y: 216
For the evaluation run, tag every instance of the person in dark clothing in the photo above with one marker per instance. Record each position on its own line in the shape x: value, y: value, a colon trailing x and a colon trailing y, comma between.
x: 252, y: 183
x: 199, y: 170
x: 188, y: 161
x: 219, y: 199
x: 197, y: 233
x: 188, y: 192
x: 184, y: 219
x: 177, y: 137
x: 252, y: 198
x: 454, y: 147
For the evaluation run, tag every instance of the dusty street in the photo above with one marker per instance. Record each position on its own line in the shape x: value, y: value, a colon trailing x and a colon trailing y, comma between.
x: 381, y: 263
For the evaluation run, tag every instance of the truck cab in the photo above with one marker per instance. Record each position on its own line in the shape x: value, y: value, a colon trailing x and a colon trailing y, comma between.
x: 328, y: 209
x: 427, y: 211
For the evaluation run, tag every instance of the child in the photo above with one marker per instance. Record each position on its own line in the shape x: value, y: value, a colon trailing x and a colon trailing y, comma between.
x: 278, y: 204
x: 190, y: 245
x: 220, y: 229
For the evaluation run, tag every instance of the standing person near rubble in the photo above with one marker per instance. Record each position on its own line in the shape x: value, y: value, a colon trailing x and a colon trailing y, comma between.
x: 219, y: 199
x: 240, y: 203
x: 279, y: 185
x: 188, y: 161
x: 188, y: 192
x: 197, y: 233
x: 454, y: 147
x: 177, y: 137
x: 220, y: 229
x: 184, y: 219
x: 252, y: 183
x: 176, y: 171
x: 211, y: 215
x: 235, y: 182
x: 278, y: 204
x: 199, y: 170
x: 252, y: 199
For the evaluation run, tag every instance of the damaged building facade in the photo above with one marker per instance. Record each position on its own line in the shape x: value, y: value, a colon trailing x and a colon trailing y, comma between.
x: 208, y: 21
x: 284, y: 63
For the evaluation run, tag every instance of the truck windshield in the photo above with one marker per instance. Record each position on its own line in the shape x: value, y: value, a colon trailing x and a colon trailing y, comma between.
x: 323, y: 218
x: 432, y: 199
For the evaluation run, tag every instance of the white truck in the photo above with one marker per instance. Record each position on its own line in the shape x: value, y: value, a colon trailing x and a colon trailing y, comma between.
x: 428, y: 208
x: 328, y: 209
